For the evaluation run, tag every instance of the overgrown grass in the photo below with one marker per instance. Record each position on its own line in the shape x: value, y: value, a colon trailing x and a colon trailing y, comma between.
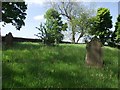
x: 33, y: 65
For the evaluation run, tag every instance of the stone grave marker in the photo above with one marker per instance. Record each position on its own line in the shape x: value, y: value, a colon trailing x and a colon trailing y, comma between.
x: 0, y: 39
x: 94, y: 53
x: 9, y: 39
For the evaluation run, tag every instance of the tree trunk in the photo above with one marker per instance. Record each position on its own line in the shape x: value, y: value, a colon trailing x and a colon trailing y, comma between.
x: 79, y: 38
x: 73, y: 35
x: 81, y: 34
x: 102, y: 39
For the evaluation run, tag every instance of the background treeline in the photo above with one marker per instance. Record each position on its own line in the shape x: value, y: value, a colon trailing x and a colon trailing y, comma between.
x: 82, y: 21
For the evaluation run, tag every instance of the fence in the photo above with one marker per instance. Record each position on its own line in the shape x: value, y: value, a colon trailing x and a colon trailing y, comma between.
x: 19, y: 39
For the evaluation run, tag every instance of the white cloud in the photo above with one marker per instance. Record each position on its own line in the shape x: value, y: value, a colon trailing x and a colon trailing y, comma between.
x: 43, y: 1
x: 39, y: 18
x: 40, y: 2
x: 93, y: 0
x: 98, y: 0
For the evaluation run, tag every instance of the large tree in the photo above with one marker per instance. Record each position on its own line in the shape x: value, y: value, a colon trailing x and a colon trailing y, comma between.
x: 82, y: 24
x: 101, y: 24
x: 14, y: 13
x: 72, y: 11
x: 51, y: 31
x: 117, y: 29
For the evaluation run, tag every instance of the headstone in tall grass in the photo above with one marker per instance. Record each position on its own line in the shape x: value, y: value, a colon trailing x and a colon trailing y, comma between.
x: 94, y: 53
x: 9, y: 39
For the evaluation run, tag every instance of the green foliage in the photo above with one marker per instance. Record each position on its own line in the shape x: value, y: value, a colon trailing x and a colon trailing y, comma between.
x: 76, y: 14
x: 116, y: 33
x: 82, y: 23
x: 101, y: 24
x: 43, y: 34
x: 14, y: 12
x: 117, y: 29
x: 33, y: 65
x: 53, y: 27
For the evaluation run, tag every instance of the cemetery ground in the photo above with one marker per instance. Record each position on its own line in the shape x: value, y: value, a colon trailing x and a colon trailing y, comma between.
x: 34, y: 65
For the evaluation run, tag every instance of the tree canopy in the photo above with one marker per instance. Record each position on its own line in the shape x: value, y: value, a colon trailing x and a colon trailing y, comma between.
x: 73, y: 11
x: 117, y: 29
x: 14, y: 13
x: 101, y: 24
x: 53, y: 27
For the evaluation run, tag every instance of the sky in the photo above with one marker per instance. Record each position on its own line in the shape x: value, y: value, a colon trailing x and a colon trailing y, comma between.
x: 35, y: 15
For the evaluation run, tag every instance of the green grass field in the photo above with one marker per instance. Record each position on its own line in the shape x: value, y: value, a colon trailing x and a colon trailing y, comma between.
x: 33, y: 65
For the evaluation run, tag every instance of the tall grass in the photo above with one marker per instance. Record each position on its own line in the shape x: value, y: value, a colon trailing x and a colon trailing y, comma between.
x: 33, y: 65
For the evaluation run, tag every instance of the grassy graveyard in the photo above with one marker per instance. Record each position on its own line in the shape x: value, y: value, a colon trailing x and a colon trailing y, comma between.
x: 34, y: 65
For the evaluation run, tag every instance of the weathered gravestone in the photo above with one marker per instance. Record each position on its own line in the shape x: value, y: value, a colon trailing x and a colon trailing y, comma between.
x: 9, y: 39
x: 94, y: 53
x: 0, y: 40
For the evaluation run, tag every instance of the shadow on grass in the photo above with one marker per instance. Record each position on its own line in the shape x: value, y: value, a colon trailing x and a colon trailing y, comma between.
x: 8, y: 75
x: 111, y: 59
x: 68, y: 54
x: 22, y: 46
x: 36, y: 74
x: 35, y: 68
